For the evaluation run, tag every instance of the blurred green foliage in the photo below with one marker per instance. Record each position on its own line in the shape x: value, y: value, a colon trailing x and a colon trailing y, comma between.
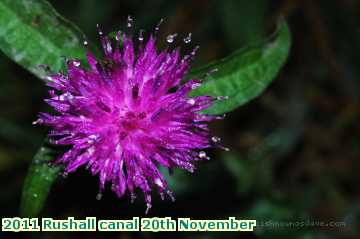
x: 32, y: 32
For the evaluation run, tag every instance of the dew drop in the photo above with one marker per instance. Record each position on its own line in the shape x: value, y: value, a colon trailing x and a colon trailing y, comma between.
x: 99, y: 30
x: 171, y: 38
x: 49, y: 78
x: 213, y: 70
x: 158, y: 25
x: 35, y: 195
x: 141, y: 35
x: 86, y: 43
x: 148, y: 206
x: 215, y: 139
x: 220, y: 117
x: 191, y: 101
x: 158, y: 182
x: 195, y: 50
x: 132, y: 197
x: 99, y: 196
x: 225, y: 148
x: 39, y: 121
x: 129, y: 21
x: 195, y: 85
x: 64, y: 174
x: 171, y: 195
x: 76, y: 63
x: 69, y: 96
x: 92, y: 139
x: 222, y: 97
x: 118, y: 36
x: 187, y: 39
x: 202, y: 154
x: 91, y: 150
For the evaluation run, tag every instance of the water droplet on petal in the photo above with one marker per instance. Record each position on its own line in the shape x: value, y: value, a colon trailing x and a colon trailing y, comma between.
x: 69, y: 96
x: 49, y: 78
x: 129, y: 21
x: 92, y: 139
x: 171, y: 195
x: 187, y: 39
x: 171, y: 38
x: 195, y: 50
x: 202, y: 154
x: 76, y: 63
x: 195, y: 85
x: 132, y: 197
x: 100, y: 32
x: 158, y: 25
x: 220, y: 117
x: 148, y: 206
x: 39, y: 121
x: 99, y: 196
x: 215, y: 139
x: 141, y: 35
x: 158, y: 182
x: 191, y: 101
x: 118, y: 36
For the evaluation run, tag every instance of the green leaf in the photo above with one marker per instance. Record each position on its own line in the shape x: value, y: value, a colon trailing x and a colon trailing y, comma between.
x: 245, y: 74
x: 33, y: 33
x: 38, y: 181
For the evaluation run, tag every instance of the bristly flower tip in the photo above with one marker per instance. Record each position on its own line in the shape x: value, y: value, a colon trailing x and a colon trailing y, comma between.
x: 121, y: 120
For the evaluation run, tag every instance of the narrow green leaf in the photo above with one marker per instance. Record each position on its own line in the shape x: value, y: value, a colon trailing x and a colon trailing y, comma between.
x: 38, y: 181
x: 33, y: 33
x: 245, y: 74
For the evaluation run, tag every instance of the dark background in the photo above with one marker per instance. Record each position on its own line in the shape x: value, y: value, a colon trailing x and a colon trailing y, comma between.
x: 294, y: 150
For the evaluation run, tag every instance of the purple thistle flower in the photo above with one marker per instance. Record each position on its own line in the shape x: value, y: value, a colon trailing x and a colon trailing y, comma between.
x: 128, y: 114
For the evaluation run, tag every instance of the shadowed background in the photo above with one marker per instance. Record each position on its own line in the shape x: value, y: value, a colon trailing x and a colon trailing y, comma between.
x: 294, y: 150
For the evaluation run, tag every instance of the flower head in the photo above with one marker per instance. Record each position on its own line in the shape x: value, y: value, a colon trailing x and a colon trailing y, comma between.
x: 128, y: 114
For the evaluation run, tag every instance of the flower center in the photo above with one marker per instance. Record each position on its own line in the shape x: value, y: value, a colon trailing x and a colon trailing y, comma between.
x: 132, y: 122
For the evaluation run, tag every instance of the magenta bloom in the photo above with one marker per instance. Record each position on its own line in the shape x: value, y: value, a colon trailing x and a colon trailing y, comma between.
x: 129, y: 114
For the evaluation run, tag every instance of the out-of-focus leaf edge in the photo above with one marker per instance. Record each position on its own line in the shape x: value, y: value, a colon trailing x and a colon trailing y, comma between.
x: 282, y: 43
